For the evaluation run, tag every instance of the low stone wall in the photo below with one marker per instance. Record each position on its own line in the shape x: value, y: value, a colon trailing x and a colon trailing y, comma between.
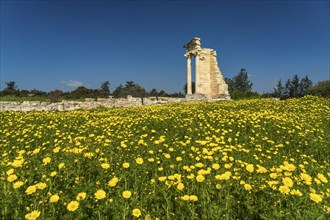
x: 84, y: 105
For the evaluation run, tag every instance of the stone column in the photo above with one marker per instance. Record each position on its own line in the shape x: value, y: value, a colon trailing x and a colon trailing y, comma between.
x: 189, y: 90
x: 198, y: 69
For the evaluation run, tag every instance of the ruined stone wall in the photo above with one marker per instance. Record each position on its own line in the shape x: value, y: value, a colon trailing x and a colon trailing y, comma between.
x: 203, y: 71
x: 209, y: 79
x: 84, y: 105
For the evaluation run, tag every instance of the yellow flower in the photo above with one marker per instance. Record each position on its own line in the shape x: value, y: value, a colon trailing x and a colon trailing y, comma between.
x: 224, y: 176
x: 284, y: 189
x: 215, y: 166
x: 41, y: 185
x: 178, y: 159
x: 53, y: 173
x: 315, y: 197
x: 12, y: 178
x: 290, y: 167
x: 126, y: 165
x: 261, y: 169
x: 54, y: 198
x: 105, y: 165
x: 273, y: 175
x: 100, y: 194
x: 136, y: 213
x: 296, y: 192
x: 306, y: 178
x: 185, y: 197
x: 61, y: 165
x: 17, y: 163
x: 10, y: 171
x: 36, y: 151
x: 322, y: 177
x: 113, y: 182
x: 81, y: 196
x: 46, y: 160
x: 247, y: 187
x: 228, y: 165
x: 317, y: 181
x: 200, y: 178
x: 327, y: 209
x: 32, y: 215
x: 18, y: 184
x: 287, y: 181
x: 72, y: 206
x: 250, y: 168
x: 180, y: 186
x: 139, y: 160
x: 31, y: 190
x: 127, y: 194
x: 56, y: 150
x: 193, y: 198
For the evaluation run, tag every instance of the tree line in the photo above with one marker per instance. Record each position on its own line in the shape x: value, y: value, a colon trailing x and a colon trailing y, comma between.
x: 240, y: 87
x: 81, y: 92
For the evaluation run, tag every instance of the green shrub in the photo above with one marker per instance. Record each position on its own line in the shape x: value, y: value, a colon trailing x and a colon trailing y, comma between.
x: 322, y: 88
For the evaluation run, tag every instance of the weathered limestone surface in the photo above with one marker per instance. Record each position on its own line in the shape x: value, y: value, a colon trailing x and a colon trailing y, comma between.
x: 91, y: 103
x: 209, y: 79
x: 86, y: 105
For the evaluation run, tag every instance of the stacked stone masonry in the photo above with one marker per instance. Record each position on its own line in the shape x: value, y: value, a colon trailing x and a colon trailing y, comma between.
x: 89, y: 104
x: 209, y: 81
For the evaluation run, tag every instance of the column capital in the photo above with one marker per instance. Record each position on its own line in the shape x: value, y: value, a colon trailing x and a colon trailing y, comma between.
x: 187, y: 55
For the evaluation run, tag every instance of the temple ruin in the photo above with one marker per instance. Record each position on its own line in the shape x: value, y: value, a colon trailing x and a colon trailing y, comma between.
x: 209, y: 81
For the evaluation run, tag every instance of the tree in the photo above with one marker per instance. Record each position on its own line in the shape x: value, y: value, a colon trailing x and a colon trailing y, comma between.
x: 294, y: 90
x: 81, y: 92
x: 240, y: 82
x: 294, y: 87
x: 153, y: 92
x: 322, y: 88
x: 176, y: 95
x: 230, y: 84
x: 36, y: 92
x: 305, y: 84
x: 240, y: 86
x: 193, y: 87
x: 130, y: 88
x: 10, y: 90
x: 287, y: 89
x: 11, y: 85
x: 162, y: 93
x: 279, y: 90
x: 105, y: 88
x: 118, y: 92
x: 54, y: 95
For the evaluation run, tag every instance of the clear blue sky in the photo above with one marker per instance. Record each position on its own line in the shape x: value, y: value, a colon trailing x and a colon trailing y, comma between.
x: 50, y: 45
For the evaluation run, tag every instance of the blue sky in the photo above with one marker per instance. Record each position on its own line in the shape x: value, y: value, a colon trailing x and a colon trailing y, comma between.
x: 50, y: 45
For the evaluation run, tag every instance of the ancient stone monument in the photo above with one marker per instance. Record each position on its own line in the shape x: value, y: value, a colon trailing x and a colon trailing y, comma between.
x: 209, y: 81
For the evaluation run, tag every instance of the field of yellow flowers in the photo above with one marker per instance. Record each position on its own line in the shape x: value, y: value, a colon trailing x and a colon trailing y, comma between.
x: 256, y: 159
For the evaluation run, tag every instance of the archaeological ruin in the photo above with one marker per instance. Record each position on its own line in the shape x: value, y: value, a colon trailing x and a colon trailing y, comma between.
x: 209, y: 81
